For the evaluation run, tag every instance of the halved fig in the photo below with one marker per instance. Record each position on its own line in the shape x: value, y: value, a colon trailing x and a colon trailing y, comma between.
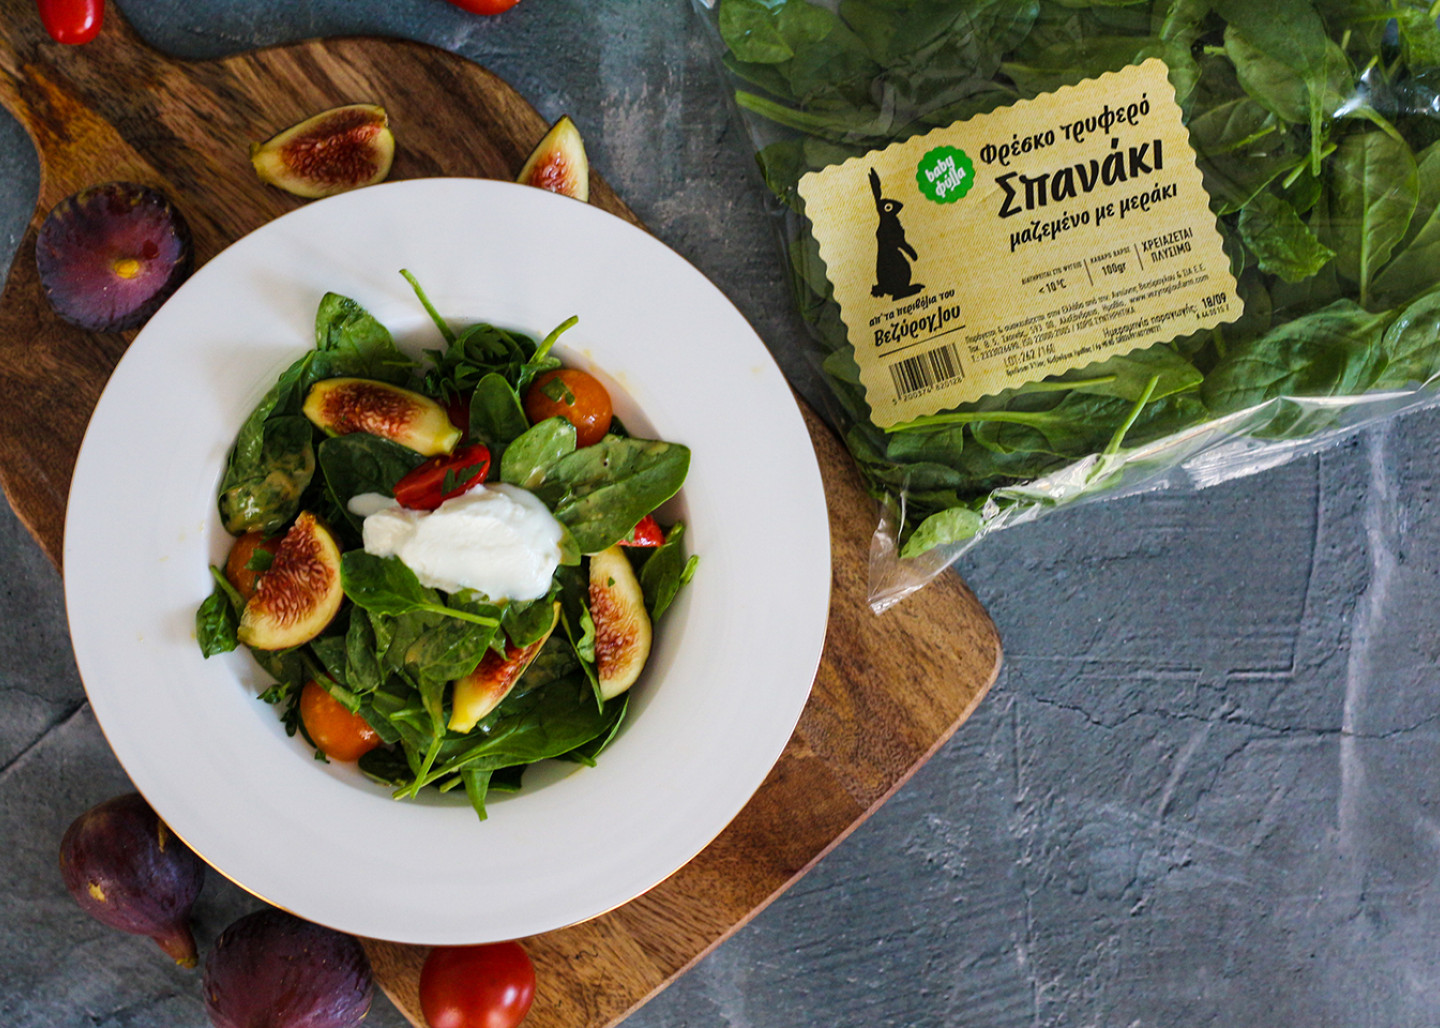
x: 110, y: 255
x: 622, y: 627
x: 559, y: 163
x: 300, y: 594
x: 336, y: 150
x: 340, y: 406
x: 481, y: 691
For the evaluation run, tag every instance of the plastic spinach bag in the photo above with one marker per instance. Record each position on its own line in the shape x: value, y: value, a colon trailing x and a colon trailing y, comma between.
x: 1316, y: 240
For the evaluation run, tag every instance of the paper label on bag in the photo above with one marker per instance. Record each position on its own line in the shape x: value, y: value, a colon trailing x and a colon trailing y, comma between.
x: 1018, y: 245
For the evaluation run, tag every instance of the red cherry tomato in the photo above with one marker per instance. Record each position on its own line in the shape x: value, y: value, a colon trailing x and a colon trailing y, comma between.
x: 339, y: 734
x: 647, y: 533
x: 72, y: 21
x: 485, y: 6
x: 577, y: 397
x: 489, y: 986
x: 441, y: 478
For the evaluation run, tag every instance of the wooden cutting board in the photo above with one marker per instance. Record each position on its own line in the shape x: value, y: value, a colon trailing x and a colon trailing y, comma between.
x: 890, y: 689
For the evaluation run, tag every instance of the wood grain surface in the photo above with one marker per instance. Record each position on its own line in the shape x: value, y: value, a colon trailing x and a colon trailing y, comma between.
x: 889, y: 691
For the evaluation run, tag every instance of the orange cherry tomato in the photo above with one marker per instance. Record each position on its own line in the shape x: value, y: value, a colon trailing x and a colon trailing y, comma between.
x: 487, y: 986
x: 236, y: 573
x: 574, y: 395
x: 339, y: 734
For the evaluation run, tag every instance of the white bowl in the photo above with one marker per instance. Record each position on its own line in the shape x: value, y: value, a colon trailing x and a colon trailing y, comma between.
x: 734, y: 658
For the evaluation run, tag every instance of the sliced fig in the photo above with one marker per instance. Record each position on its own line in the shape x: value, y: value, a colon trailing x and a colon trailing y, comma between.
x: 559, y: 163
x: 481, y: 691
x: 622, y: 627
x: 299, y: 595
x: 127, y: 870
x: 334, y: 151
x: 270, y: 969
x: 344, y: 405
x: 110, y: 255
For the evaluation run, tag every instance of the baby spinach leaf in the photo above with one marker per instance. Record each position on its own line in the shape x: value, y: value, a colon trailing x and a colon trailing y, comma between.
x: 1374, y: 189
x: 600, y: 492
x: 531, y: 620
x: 384, y: 585
x: 1324, y: 353
x: 362, y: 649
x: 1281, y: 242
x: 263, y: 483
x: 948, y: 526
x: 752, y: 31
x: 527, y: 460
x: 362, y: 463
x: 1128, y: 375
x: 496, y: 415
x: 349, y: 342
x: 218, y: 617
x: 665, y: 571
x: 587, y: 753
x: 1411, y: 343
x: 1416, y: 265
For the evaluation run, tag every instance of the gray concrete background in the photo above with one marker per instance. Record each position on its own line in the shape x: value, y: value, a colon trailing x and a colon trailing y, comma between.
x: 1203, y: 791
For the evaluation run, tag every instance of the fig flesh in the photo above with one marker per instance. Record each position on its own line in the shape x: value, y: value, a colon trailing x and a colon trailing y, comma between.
x: 127, y: 870
x: 559, y: 163
x: 110, y: 255
x: 272, y: 970
x: 300, y: 593
x: 340, y: 406
x: 481, y: 691
x: 334, y: 151
x: 622, y: 626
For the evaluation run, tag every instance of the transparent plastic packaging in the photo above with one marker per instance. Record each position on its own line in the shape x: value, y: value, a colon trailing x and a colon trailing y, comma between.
x: 1315, y: 125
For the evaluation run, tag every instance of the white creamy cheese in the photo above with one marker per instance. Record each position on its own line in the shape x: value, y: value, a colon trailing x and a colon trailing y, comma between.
x: 497, y: 539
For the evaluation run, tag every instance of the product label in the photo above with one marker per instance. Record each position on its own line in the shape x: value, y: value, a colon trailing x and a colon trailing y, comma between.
x: 1021, y: 244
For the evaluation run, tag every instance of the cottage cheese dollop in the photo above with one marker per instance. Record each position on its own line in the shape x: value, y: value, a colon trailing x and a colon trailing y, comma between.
x: 497, y: 539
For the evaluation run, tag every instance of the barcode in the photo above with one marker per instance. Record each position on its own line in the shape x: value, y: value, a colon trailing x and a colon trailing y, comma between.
x: 926, y: 370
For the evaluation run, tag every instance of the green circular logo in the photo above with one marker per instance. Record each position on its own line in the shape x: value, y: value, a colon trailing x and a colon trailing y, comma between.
x: 945, y: 174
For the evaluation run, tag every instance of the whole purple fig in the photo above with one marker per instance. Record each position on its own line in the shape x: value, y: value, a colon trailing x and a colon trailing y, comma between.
x: 126, y: 869
x: 270, y: 969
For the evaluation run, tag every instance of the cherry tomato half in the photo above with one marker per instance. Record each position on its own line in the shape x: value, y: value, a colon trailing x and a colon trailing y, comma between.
x: 72, y: 21
x: 647, y: 533
x: 339, y: 734
x: 441, y: 478
x: 577, y: 397
x: 485, y: 6
x: 489, y: 986
x: 236, y: 572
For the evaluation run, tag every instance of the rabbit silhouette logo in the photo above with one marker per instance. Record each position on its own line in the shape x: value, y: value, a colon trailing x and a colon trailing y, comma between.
x: 893, y: 253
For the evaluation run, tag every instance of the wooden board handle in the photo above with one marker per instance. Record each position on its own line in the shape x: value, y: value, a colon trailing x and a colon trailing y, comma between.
x: 50, y: 87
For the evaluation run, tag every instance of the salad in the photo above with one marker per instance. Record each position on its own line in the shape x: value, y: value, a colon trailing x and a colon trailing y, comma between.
x: 451, y: 568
